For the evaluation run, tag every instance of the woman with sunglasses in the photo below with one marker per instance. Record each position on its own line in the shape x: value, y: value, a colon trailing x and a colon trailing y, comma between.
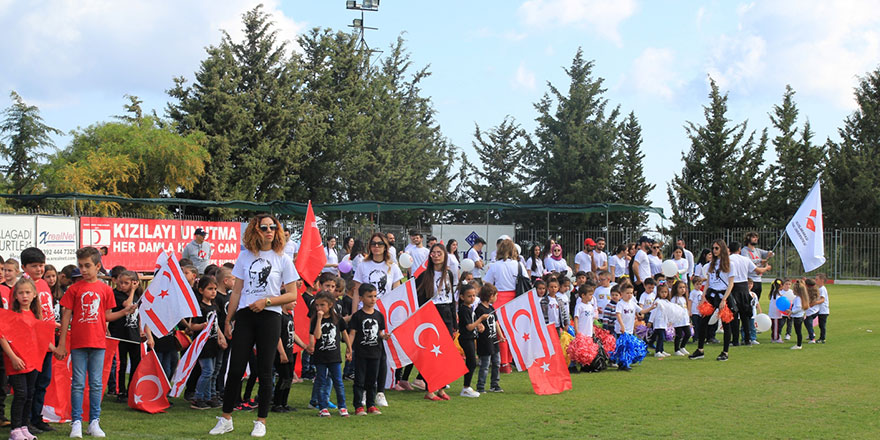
x: 655, y: 257
x: 720, y: 284
x: 265, y: 279
x: 554, y: 262
x: 380, y: 270
x: 452, y: 256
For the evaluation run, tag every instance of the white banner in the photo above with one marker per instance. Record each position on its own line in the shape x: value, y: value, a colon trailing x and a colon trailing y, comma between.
x: 57, y: 238
x: 806, y: 230
x: 16, y: 235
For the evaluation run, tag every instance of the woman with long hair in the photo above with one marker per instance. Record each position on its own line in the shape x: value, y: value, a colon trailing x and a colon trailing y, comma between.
x: 452, y: 254
x: 503, y: 275
x: 617, y: 263
x: 720, y: 284
x: 332, y: 256
x: 535, y: 263
x: 265, y: 279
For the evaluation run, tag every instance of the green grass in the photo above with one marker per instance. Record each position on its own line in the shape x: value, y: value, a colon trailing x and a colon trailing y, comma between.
x: 766, y: 391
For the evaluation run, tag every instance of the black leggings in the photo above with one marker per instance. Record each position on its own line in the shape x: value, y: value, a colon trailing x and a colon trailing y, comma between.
x: 23, y: 387
x: 823, y: 320
x: 127, y: 351
x: 285, y: 378
x: 262, y: 329
x: 714, y: 298
x: 740, y: 293
x: 470, y: 358
x: 682, y: 334
x: 797, y: 329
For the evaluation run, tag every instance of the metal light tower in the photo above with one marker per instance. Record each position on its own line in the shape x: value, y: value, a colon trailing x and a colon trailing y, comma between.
x: 358, y: 23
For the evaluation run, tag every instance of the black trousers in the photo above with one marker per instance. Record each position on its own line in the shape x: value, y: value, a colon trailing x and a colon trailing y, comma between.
x: 756, y: 287
x: 23, y: 387
x: 797, y: 329
x: 262, y: 329
x: 127, y: 352
x: 366, y: 373
x: 658, y: 337
x: 823, y: 320
x: 285, y: 379
x: 682, y: 334
x: 470, y: 358
x: 743, y: 312
x: 714, y: 298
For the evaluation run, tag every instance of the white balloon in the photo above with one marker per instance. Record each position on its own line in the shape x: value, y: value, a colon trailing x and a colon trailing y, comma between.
x: 405, y: 261
x: 714, y: 318
x: 670, y: 269
x: 518, y: 249
x: 467, y: 265
x: 568, y: 271
x: 790, y: 296
x: 762, y: 322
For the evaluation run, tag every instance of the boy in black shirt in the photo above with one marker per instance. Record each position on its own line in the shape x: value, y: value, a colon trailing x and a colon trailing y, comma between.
x: 126, y: 329
x: 467, y: 335
x: 487, y: 340
x: 366, y: 329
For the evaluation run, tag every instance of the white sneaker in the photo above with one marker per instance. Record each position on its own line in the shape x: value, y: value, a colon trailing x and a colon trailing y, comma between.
x: 95, y: 429
x: 223, y: 426
x: 684, y: 350
x: 380, y: 399
x: 76, y: 429
x: 469, y: 392
x: 259, y: 429
x: 796, y: 347
x: 787, y: 337
x: 659, y: 354
x: 756, y: 343
x: 679, y: 353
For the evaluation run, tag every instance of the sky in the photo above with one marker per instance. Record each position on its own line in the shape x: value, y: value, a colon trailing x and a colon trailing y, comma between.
x: 76, y: 59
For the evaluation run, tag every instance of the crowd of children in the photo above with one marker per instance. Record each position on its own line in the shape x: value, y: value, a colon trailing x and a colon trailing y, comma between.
x: 345, y: 338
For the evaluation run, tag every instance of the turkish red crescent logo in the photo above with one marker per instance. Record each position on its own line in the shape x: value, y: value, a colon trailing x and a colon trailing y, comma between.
x: 811, y: 225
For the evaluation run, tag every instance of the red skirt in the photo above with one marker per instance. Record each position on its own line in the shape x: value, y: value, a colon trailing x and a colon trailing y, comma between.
x: 504, y: 350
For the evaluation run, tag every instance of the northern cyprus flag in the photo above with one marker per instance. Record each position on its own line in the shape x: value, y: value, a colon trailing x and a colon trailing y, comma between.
x: 806, y: 230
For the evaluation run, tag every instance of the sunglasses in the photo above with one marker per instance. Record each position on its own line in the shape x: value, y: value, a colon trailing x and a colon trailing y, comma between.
x: 377, y: 243
x: 266, y: 228
x: 656, y: 247
x: 716, y: 248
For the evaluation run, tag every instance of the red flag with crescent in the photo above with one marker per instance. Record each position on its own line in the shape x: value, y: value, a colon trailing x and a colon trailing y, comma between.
x: 396, y: 306
x: 522, y: 321
x: 425, y: 339
x: 149, y: 386
x: 310, y: 259
x: 168, y: 299
x: 549, y: 374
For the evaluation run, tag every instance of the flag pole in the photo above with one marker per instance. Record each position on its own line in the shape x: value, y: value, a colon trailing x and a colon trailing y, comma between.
x: 781, y: 235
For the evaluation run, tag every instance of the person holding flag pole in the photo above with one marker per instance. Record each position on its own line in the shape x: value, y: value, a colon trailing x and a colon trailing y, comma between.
x: 262, y: 272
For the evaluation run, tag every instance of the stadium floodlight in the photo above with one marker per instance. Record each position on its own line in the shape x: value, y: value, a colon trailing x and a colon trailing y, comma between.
x: 358, y: 23
x: 351, y: 4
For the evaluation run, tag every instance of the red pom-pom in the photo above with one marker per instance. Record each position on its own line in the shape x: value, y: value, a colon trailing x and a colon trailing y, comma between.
x: 583, y: 350
x: 726, y: 315
x: 609, y: 343
x: 706, y: 309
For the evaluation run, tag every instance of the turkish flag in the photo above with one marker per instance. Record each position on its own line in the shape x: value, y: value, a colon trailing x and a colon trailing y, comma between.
x: 522, y: 321
x: 549, y: 374
x: 310, y: 259
x: 424, y: 338
x: 301, y: 324
x: 149, y: 386
x: 396, y: 306
x: 56, y: 407
x: 28, y: 337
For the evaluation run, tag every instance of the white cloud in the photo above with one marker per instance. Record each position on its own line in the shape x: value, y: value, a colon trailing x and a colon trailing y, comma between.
x: 524, y: 78
x: 601, y: 16
x: 654, y: 73
x: 818, y: 47
x: 115, y: 47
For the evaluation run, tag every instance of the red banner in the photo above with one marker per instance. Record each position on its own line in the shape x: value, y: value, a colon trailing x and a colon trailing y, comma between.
x: 134, y: 242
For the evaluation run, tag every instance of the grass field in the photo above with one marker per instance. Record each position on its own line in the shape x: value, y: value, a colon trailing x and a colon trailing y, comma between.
x: 766, y: 391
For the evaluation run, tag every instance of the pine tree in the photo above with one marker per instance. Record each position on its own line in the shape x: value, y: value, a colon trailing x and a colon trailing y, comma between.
x: 798, y: 162
x: 721, y: 180
x: 576, y: 142
x: 628, y: 184
x: 504, y: 152
x: 27, y: 137
x: 852, y: 181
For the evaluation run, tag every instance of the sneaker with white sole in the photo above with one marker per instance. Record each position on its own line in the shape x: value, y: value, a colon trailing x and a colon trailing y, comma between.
x: 95, y: 429
x: 469, y: 392
x: 796, y: 347
x: 787, y: 337
x: 76, y: 429
x: 223, y: 426
x: 679, y: 353
x: 324, y: 413
x: 343, y: 412
x: 659, y: 354
x: 380, y: 399
x: 684, y: 350
x: 755, y: 342
x: 259, y: 429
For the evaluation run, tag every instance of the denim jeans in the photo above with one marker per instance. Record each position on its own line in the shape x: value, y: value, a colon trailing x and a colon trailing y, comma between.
x: 86, y: 361
x: 327, y: 373
x: 169, y: 360
x: 752, y: 332
x: 485, y: 361
x: 204, y: 385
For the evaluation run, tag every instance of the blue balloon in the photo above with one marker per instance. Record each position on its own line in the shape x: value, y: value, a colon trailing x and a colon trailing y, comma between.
x: 782, y: 303
x: 571, y: 330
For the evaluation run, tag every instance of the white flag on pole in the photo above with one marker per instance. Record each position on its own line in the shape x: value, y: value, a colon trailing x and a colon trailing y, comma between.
x: 806, y: 230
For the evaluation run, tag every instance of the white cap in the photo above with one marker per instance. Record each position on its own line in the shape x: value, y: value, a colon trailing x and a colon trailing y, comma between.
x: 504, y: 237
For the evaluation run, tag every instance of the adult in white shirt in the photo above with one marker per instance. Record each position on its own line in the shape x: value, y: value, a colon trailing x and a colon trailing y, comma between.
x: 262, y: 272
x: 740, y: 268
x: 416, y: 250
x: 392, y: 251
x: 600, y: 258
x: 502, y: 274
x: 617, y: 262
x: 452, y: 258
x: 758, y: 256
x: 291, y: 246
x: 689, y: 256
x: 535, y: 263
x: 655, y: 256
x: 435, y: 284
x: 332, y: 257
x: 641, y: 265
x: 554, y: 262
x: 720, y: 284
x: 475, y: 253
x: 583, y: 261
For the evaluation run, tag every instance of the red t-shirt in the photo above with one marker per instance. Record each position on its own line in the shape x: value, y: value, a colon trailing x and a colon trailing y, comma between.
x: 5, y: 293
x: 47, y: 308
x: 89, y: 302
x: 7, y: 362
